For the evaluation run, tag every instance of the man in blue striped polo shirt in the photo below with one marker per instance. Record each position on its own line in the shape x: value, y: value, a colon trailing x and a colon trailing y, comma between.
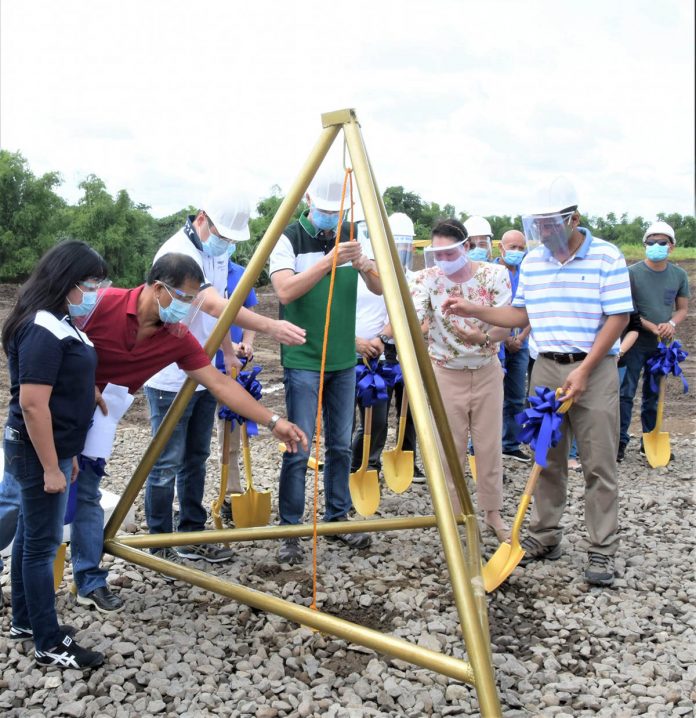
x: 574, y: 290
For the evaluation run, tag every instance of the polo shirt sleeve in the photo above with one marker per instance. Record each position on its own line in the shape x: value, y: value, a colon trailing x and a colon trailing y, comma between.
x: 191, y: 356
x: 251, y: 300
x: 420, y: 294
x: 683, y: 290
x: 615, y: 287
x: 518, y: 299
x: 282, y: 256
x: 39, y: 355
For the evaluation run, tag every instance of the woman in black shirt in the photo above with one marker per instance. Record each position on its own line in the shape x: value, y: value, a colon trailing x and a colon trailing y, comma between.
x: 52, y: 398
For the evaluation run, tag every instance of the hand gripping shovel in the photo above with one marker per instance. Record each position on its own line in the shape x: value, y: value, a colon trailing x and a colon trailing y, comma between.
x: 224, y: 475
x: 252, y: 508
x: 364, y: 483
x: 656, y: 442
x: 397, y: 465
x: 508, y: 555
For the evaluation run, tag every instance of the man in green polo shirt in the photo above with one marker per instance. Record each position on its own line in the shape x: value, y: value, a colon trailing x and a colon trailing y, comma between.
x: 300, y: 272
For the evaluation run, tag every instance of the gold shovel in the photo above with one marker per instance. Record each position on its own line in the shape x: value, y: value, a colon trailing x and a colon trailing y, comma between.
x: 508, y: 555
x: 364, y: 483
x: 397, y: 465
x: 252, y: 508
x: 224, y: 475
x: 656, y: 442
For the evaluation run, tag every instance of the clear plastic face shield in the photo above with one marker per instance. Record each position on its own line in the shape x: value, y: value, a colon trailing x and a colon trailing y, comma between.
x: 91, y: 291
x: 449, y: 258
x: 177, y: 308
x: 404, y: 248
x: 551, y: 230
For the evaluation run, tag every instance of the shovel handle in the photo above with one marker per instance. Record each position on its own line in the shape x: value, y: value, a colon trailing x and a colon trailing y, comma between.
x: 224, y: 473
x: 246, y: 454
x: 367, y: 435
x: 402, y: 420
x: 660, y: 404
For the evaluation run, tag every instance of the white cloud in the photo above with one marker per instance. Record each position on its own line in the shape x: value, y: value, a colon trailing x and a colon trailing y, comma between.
x: 463, y: 102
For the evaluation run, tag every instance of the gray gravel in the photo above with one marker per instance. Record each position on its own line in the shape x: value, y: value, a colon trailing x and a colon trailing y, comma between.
x: 560, y: 647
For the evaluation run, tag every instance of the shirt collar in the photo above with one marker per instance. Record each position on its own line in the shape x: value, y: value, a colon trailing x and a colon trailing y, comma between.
x: 312, y: 231
x: 191, y: 233
x: 132, y: 303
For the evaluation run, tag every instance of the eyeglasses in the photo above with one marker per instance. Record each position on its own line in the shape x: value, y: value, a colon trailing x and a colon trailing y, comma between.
x: 661, y: 242
x: 211, y: 227
x: 174, y: 292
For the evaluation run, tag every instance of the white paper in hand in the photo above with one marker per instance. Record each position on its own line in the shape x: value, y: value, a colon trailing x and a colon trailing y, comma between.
x: 100, y: 437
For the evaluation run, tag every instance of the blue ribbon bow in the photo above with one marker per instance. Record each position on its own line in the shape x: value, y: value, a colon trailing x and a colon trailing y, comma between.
x: 391, y: 373
x: 249, y: 382
x: 666, y: 360
x: 541, y: 423
x: 370, y: 386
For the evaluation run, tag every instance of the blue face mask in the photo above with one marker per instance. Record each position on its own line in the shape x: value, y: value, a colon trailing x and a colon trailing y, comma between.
x: 231, y: 248
x: 89, y: 300
x: 478, y: 254
x: 215, y: 246
x: 175, y: 312
x: 513, y: 257
x: 656, y: 252
x: 323, y: 220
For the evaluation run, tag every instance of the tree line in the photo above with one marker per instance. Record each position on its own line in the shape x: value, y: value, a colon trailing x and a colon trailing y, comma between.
x: 33, y: 217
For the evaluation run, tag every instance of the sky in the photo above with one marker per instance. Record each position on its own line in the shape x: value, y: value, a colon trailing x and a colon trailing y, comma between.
x: 469, y: 103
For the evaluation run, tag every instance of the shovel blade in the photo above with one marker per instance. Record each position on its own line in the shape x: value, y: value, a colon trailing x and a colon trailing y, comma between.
x: 252, y: 508
x: 397, y: 467
x: 657, y: 448
x: 501, y: 564
x: 364, y: 491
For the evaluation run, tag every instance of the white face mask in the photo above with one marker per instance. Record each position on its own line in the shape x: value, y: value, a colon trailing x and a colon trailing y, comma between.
x: 452, y: 267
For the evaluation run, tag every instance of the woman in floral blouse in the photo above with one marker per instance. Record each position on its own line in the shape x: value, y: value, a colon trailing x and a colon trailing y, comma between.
x: 464, y: 355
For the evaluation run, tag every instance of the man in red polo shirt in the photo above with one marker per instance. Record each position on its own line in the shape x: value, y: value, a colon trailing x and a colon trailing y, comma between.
x: 131, y: 332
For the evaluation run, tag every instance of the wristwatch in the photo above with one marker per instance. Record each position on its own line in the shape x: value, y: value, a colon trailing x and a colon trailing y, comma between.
x: 674, y: 326
x: 274, y: 420
x: 383, y: 338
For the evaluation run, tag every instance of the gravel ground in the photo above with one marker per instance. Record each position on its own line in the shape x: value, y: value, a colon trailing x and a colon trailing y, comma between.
x: 560, y: 647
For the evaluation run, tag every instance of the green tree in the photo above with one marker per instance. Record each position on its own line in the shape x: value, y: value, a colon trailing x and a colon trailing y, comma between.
x: 31, y: 216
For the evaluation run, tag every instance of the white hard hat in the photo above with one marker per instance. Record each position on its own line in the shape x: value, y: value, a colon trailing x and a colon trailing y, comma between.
x: 660, y: 228
x: 555, y: 197
x: 326, y: 189
x: 478, y: 227
x: 230, y: 212
x: 401, y: 225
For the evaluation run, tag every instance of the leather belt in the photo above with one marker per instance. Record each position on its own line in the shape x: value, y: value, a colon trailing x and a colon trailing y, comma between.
x: 560, y: 358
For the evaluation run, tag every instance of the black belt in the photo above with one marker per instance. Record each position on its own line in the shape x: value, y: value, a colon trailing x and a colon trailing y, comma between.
x: 564, y: 358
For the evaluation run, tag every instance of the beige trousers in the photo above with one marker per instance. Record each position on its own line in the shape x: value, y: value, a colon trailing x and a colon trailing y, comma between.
x: 594, y: 421
x: 233, y: 483
x: 473, y: 401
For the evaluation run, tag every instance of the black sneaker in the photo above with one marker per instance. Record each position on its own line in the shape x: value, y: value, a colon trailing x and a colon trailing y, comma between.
x: 18, y: 633
x: 67, y: 654
x: 102, y: 599
x: 356, y: 541
x: 621, y: 453
x: 518, y: 455
x: 210, y: 552
x: 290, y: 551
x: 418, y: 475
x: 168, y: 554
x: 600, y: 569
x: 535, y: 551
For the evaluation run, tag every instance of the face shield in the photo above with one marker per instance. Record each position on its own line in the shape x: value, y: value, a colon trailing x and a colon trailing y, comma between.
x: 551, y: 230
x: 92, y: 291
x: 448, y: 258
x: 404, y: 248
x: 179, y: 313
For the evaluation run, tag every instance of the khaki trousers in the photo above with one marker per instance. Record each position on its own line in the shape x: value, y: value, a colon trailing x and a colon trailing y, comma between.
x: 594, y: 421
x: 233, y: 483
x: 473, y: 401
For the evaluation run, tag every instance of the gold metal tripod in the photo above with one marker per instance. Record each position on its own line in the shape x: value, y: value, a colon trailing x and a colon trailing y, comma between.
x: 429, y: 417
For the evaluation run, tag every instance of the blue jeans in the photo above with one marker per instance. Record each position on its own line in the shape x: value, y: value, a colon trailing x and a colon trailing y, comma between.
x: 182, y: 460
x: 9, y: 510
x: 634, y: 363
x: 39, y: 533
x: 87, y: 534
x: 301, y: 398
x: 515, y: 395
